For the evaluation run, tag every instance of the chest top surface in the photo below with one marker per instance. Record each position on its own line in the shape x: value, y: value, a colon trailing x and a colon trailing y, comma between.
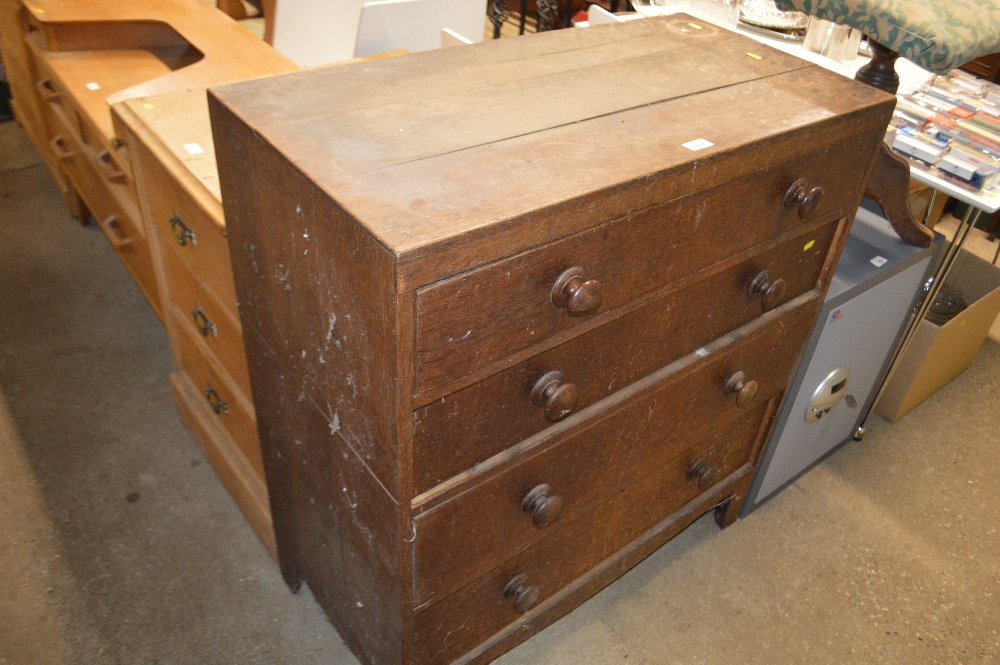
x: 458, y: 157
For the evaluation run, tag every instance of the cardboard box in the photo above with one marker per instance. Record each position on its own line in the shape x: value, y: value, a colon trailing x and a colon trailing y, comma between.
x: 920, y: 197
x: 937, y: 354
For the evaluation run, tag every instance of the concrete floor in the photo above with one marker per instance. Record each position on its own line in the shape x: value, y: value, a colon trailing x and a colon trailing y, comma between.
x: 118, y: 545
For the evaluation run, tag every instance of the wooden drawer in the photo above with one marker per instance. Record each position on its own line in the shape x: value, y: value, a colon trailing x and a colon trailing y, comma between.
x: 230, y: 408
x: 201, y: 313
x: 480, y: 609
x: 106, y: 180
x: 462, y: 429
x: 480, y: 522
x: 475, y: 319
x: 60, y: 101
x: 123, y: 232
x: 120, y: 228
x: 56, y: 101
x: 198, y: 239
x: 57, y: 109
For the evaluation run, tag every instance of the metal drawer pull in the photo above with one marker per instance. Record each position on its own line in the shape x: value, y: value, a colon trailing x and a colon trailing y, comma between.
x: 557, y: 397
x: 576, y: 293
x: 181, y: 231
x: 745, y: 390
x: 524, y: 595
x: 217, y: 403
x: 705, y: 474
x: 542, y: 506
x: 203, y: 323
x: 770, y: 291
x: 804, y: 197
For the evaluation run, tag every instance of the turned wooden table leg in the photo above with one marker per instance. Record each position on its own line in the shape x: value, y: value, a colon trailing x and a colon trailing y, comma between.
x: 890, y: 179
x: 881, y: 71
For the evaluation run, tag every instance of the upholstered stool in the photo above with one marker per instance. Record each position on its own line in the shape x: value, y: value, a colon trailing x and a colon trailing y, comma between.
x: 938, y: 35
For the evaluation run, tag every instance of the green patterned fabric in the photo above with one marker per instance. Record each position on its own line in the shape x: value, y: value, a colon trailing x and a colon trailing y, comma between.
x: 938, y: 35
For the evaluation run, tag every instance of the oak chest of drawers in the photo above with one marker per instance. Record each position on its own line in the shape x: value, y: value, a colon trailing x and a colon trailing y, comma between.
x: 518, y: 313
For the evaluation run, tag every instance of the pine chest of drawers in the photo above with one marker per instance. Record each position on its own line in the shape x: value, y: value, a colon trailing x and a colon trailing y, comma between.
x: 518, y: 313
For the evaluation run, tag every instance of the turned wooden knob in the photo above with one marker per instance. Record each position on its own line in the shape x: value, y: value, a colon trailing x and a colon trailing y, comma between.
x: 541, y: 506
x: 769, y: 290
x: 557, y: 397
x: 745, y: 390
x: 701, y: 471
x: 524, y: 595
x: 803, y: 196
x: 576, y: 293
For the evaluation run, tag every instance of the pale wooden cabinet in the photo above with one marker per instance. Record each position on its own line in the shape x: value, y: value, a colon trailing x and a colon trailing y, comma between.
x: 112, y: 95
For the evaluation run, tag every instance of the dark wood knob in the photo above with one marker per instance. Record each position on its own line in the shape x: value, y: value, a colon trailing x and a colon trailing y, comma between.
x: 543, y: 508
x: 803, y: 196
x: 705, y: 474
x: 557, y: 397
x: 745, y: 390
x: 576, y: 293
x: 524, y: 595
x: 769, y: 290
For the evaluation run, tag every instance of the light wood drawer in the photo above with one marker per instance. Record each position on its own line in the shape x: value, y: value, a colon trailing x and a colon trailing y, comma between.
x: 485, y: 606
x: 187, y: 228
x: 230, y: 408
x: 475, y: 319
x: 104, y: 178
x: 122, y: 232
x: 201, y: 313
x: 462, y: 429
x: 57, y: 99
x: 57, y: 109
x: 487, y: 518
x: 119, y: 227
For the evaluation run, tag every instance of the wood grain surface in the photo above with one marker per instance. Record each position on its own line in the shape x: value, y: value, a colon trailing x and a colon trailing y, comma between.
x: 458, y: 623
x: 462, y: 429
x: 396, y: 230
x: 426, y: 210
x: 629, y: 256
x: 483, y: 524
x: 319, y: 325
x: 228, y: 52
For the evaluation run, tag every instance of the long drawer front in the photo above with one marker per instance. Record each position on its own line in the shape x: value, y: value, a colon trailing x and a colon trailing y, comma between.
x: 59, y: 100
x: 493, y: 515
x: 552, y: 289
x: 510, y: 591
x: 117, y: 218
x: 230, y: 408
x: 182, y: 223
x: 462, y: 429
x: 201, y: 313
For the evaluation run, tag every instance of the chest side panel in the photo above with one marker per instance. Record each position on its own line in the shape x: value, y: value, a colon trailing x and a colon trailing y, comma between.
x: 318, y: 316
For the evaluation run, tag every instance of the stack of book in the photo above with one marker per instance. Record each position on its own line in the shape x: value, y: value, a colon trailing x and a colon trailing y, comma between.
x: 950, y: 126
